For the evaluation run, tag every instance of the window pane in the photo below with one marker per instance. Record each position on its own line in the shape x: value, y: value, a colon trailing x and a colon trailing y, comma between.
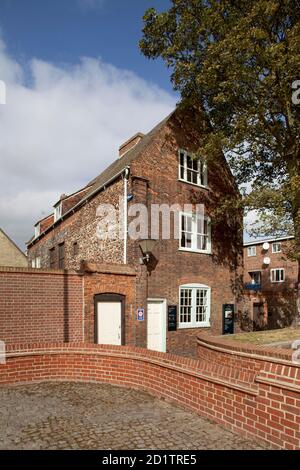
x: 185, y: 305
x: 201, y: 305
x: 182, y: 159
x: 189, y: 162
x: 195, y: 177
x: 182, y: 172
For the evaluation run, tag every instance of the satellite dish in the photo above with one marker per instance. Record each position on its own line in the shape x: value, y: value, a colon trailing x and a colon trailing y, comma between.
x: 266, y: 246
x: 267, y: 260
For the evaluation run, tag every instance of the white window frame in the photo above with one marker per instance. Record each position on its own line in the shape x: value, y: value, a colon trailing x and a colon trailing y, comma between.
x: 193, y: 323
x: 37, y: 230
x: 201, y: 184
x: 249, y: 251
x: 273, y: 247
x: 57, y: 212
x: 194, y: 233
x: 36, y: 262
x: 273, y: 271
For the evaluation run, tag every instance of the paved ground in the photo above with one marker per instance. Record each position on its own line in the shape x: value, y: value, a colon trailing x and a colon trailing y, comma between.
x: 97, y: 416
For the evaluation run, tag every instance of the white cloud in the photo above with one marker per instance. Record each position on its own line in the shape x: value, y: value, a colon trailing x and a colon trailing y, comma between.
x: 64, y: 130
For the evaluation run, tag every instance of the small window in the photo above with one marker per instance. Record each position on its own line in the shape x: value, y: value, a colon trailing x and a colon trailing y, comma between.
x: 192, y: 170
x: 276, y: 247
x: 61, y: 256
x: 277, y: 275
x: 52, y: 258
x: 57, y: 212
x: 75, y: 249
x: 194, y: 310
x: 37, y: 230
x: 251, y: 250
x: 195, y: 233
x: 33, y: 263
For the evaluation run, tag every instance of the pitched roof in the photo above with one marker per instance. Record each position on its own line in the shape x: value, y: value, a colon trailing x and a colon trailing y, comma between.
x: 122, y: 162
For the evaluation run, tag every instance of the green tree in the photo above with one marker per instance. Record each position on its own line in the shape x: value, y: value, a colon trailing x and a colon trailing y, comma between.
x: 240, y: 62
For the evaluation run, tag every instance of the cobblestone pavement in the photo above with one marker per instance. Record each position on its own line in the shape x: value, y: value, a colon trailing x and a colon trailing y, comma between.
x: 101, y: 416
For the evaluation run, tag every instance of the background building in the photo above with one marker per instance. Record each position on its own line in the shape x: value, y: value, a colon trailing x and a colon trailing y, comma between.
x: 10, y: 253
x: 270, y: 278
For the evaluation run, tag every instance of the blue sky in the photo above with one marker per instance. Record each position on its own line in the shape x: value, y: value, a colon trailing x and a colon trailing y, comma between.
x: 61, y: 31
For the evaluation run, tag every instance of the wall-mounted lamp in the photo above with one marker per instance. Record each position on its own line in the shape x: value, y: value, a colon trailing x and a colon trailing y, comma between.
x: 146, y: 247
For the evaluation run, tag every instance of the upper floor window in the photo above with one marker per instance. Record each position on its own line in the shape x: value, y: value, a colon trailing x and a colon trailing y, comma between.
x: 195, y: 233
x: 276, y: 247
x: 52, y: 258
x: 57, y: 212
x: 61, y: 256
x: 75, y: 248
x: 255, y: 277
x: 37, y: 230
x: 277, y: 275
x: 192, y: 170
x: 194, y: 306
x: 251, y: 250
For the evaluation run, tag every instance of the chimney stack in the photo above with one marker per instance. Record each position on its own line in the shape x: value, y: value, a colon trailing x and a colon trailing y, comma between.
x: 130, y: 143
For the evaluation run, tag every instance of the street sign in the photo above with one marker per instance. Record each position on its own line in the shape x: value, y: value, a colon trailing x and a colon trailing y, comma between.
x: 141, y: 314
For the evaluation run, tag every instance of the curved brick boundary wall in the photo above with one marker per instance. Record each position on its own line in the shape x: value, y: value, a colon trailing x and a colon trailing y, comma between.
x: 264, y: 404
x: 255, y: 392
x: 273, y: 414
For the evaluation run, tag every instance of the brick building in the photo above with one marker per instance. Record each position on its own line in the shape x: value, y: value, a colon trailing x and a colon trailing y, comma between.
x: 271, y: 278
x: 191, y: 275
x: 10, y: 253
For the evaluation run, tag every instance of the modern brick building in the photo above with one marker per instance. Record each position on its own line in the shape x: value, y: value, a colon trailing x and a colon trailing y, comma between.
x: 185, y: 279
x: 271, y: 278
x: 10, y: 253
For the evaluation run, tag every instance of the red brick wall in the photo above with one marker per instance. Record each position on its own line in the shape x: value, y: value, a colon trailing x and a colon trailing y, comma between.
x: 260, y: 398
x: 111, y: 279
x: 40, y: 306
x: 154, y: 180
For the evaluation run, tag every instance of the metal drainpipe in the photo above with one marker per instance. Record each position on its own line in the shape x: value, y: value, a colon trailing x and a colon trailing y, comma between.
x: 126, y: 176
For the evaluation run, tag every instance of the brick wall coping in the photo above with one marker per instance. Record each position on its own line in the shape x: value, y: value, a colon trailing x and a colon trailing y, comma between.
x: 104, y: 268
x: 264, y: 353
x: 187, y: 366
x: 8, y: 269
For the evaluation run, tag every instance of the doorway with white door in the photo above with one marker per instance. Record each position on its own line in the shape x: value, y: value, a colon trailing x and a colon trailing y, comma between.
x: 110, y: 319
x: 157, y: 325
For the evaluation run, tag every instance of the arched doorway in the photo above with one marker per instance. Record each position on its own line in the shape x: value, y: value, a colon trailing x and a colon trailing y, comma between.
x: 110, y: 319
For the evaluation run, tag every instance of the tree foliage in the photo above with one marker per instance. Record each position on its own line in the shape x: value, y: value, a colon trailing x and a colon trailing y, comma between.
x: 238, y: 60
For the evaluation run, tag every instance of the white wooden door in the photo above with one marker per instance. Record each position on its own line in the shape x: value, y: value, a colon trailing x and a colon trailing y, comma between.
x: 156, y: 325
x: 109, y: 323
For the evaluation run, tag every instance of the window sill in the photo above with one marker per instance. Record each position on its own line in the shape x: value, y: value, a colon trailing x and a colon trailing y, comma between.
x: 201, y: 186
x: 189, y: 250
x: 189, y: 327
